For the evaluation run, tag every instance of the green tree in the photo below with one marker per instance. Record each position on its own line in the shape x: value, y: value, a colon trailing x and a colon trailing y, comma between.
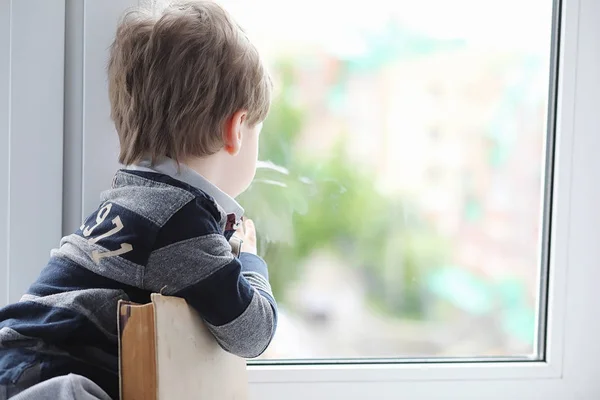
x: 302, y: 204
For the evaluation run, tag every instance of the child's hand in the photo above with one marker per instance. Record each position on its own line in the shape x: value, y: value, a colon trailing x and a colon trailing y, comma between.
x: 247, y: 232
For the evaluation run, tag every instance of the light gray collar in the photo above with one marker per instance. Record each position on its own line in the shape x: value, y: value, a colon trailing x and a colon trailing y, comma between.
x: 185, y: 174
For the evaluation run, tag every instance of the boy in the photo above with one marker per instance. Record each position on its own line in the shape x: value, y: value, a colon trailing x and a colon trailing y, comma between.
x: 188, y: 92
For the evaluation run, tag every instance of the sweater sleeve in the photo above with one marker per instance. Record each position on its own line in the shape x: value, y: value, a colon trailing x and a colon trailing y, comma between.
x: 231, y: 294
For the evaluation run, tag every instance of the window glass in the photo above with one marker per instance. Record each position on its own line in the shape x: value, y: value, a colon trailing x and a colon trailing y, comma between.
x: 399, y: 200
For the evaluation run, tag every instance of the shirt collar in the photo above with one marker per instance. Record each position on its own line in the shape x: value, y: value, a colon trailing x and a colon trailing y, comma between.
x: 185, y: 174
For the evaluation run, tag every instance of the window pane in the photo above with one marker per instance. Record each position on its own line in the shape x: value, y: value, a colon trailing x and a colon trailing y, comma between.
x: 400, y: 201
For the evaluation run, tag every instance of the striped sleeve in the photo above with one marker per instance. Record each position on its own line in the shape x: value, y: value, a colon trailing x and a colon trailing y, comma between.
x: 232, y: 295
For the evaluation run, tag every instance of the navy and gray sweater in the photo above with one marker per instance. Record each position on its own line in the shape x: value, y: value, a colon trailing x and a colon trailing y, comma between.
x: 159, y: 229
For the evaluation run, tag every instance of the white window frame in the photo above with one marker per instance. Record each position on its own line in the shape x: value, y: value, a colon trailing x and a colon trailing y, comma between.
x: 573, y: 328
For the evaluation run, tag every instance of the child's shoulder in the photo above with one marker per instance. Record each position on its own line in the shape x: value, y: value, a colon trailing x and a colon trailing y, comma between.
x: 154, y: 197
x: 158, y: 198
x: 140, y: 214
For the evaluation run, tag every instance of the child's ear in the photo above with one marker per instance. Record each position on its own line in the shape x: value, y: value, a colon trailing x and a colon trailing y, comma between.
x: 232, y: 134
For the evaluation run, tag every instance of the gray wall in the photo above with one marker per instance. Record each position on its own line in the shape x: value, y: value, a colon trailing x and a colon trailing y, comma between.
x: 54, y: 117
x: 31, y: 138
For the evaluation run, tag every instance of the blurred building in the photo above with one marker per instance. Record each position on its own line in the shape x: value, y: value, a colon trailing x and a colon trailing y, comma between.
x: 462, y: 131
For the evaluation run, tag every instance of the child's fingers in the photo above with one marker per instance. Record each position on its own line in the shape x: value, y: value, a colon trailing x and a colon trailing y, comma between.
x: 250, y: 229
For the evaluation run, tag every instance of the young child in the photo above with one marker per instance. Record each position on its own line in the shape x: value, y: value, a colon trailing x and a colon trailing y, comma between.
x: 188, y: 93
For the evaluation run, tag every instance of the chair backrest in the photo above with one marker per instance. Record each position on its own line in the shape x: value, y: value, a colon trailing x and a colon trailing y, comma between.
x: 166, y: 352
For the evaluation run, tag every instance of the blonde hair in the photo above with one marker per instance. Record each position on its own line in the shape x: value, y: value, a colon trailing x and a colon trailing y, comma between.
x: 177, y: 75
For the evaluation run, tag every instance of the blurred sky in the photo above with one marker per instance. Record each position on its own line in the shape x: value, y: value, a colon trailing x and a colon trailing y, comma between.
x: 339, y: 25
